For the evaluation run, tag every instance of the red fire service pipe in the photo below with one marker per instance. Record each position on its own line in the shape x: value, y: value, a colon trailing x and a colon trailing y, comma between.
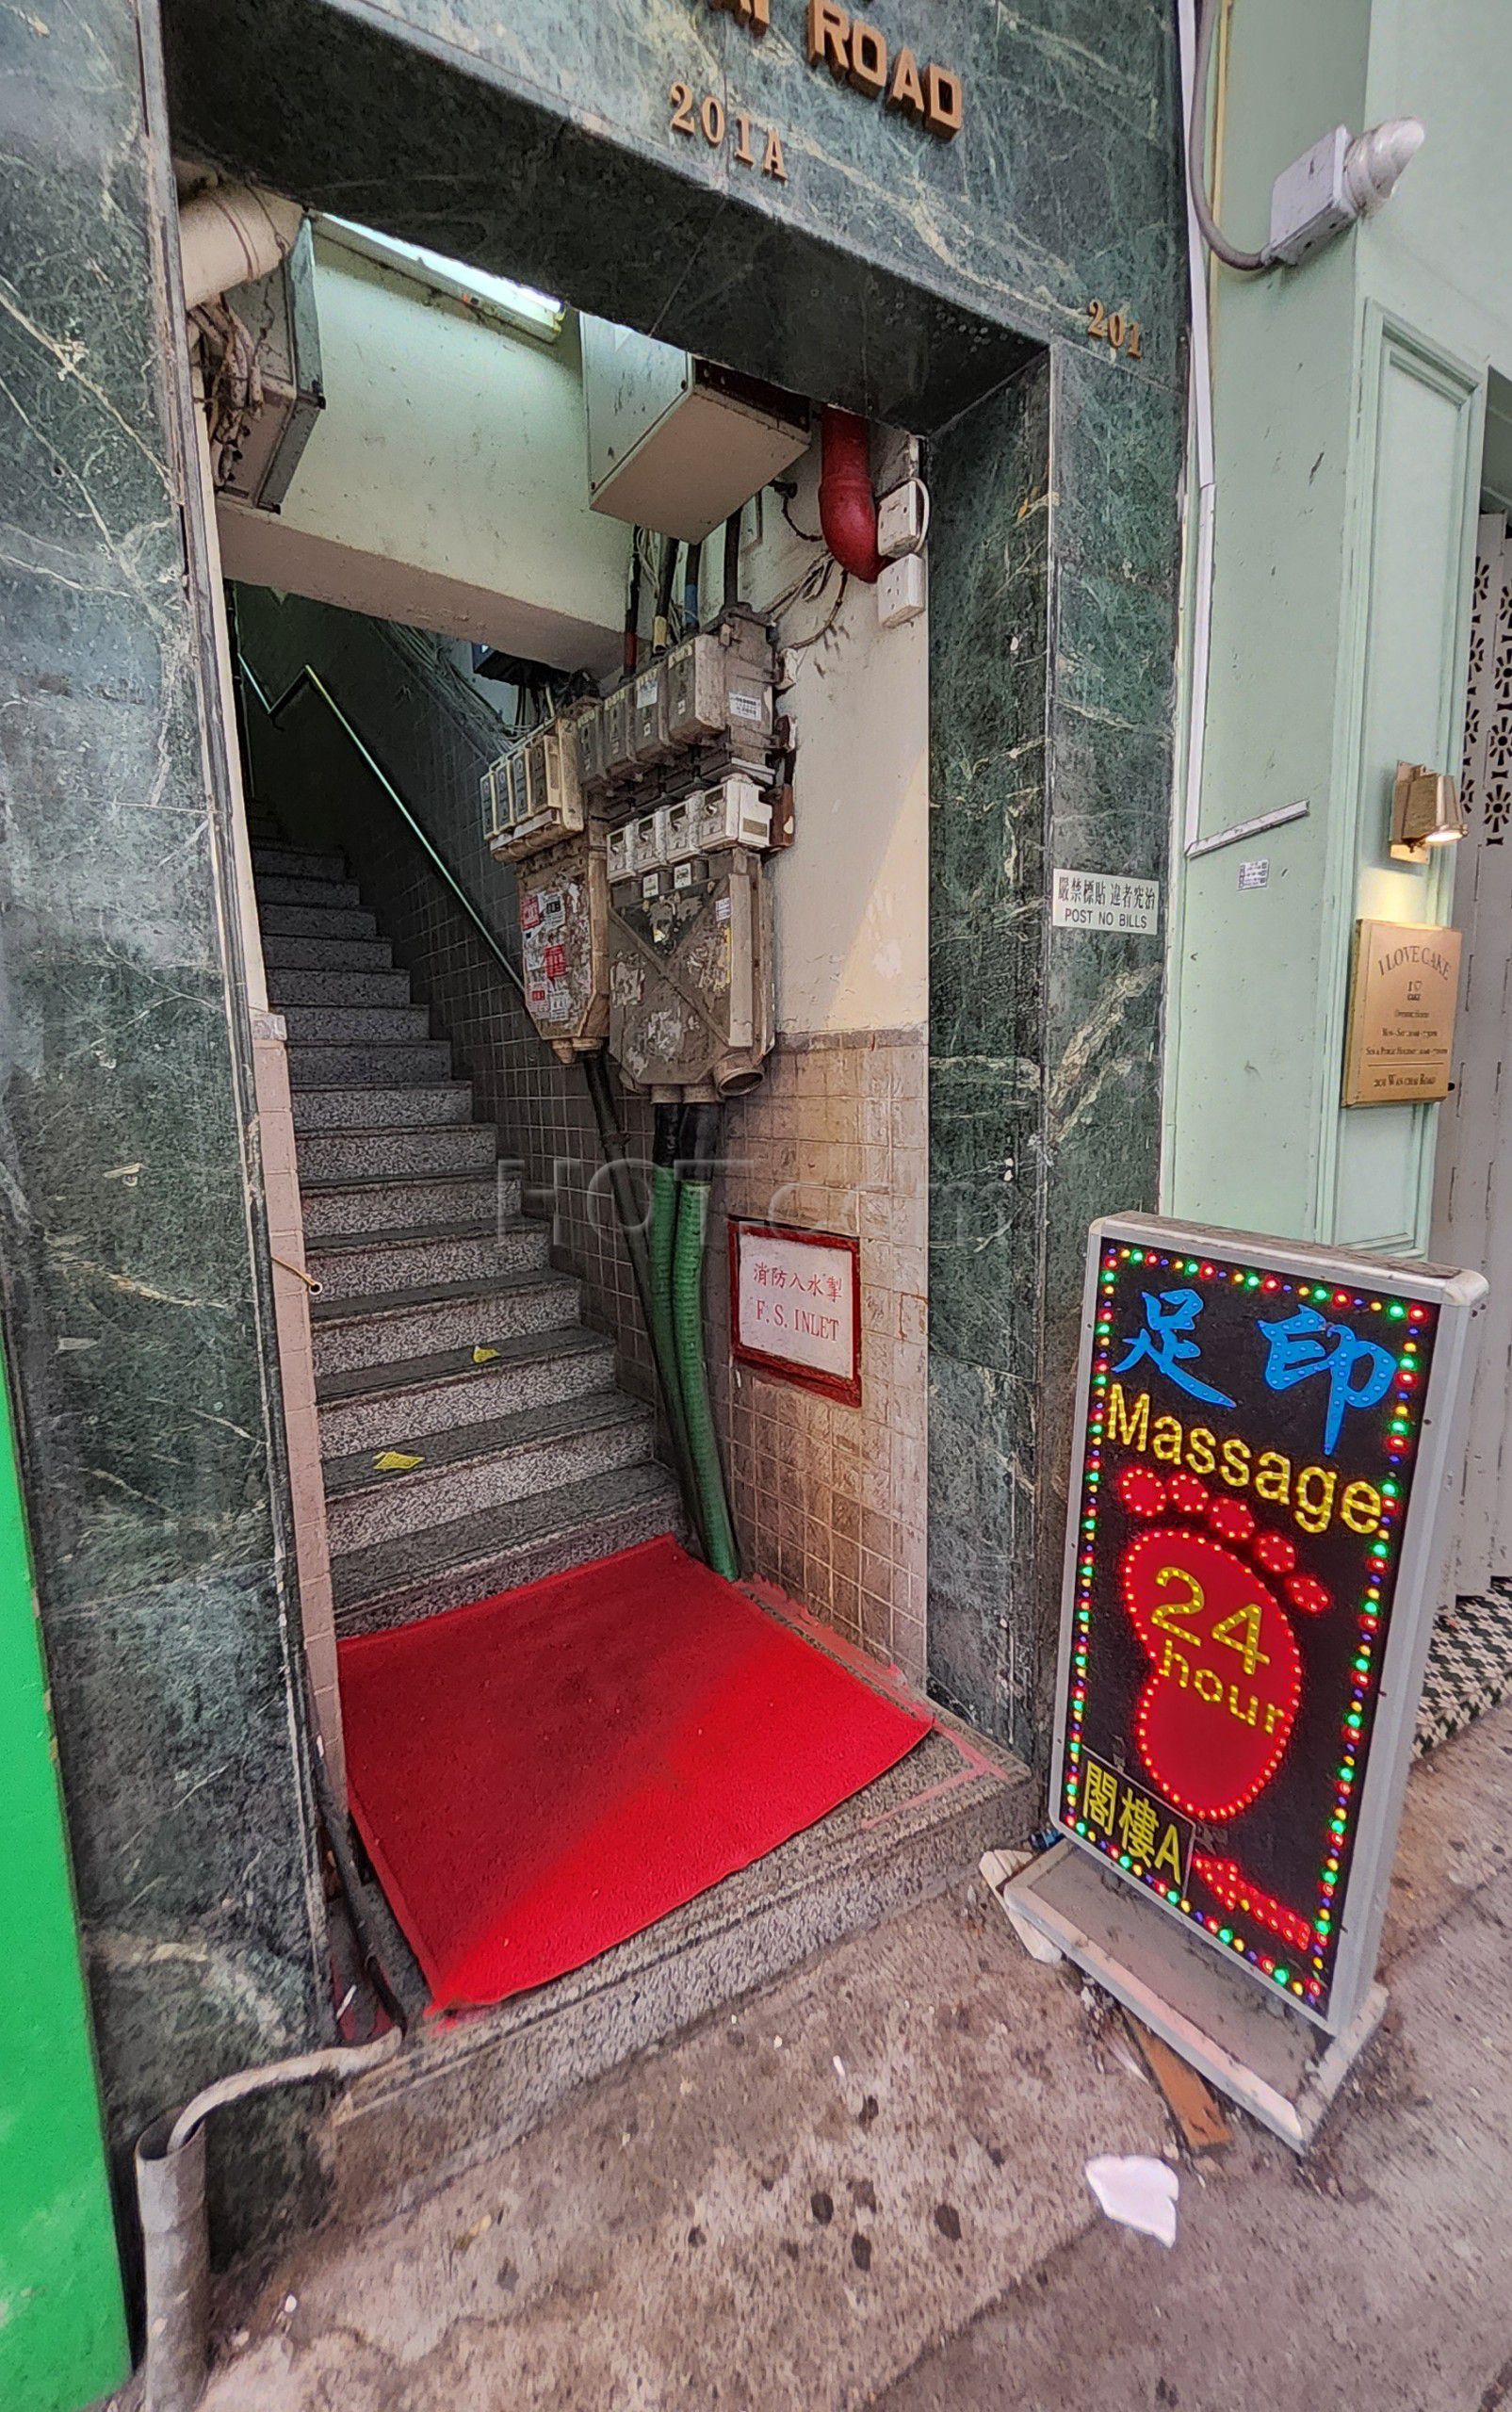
x: 847, y: 507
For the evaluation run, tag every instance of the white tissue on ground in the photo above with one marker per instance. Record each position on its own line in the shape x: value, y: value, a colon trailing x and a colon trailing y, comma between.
x: 1137, y: 2191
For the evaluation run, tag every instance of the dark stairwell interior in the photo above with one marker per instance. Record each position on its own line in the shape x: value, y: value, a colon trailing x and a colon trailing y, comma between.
x: 473, y: 1437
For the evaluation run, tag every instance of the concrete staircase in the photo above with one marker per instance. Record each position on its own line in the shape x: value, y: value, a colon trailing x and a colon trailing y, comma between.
x: 441, y: 1331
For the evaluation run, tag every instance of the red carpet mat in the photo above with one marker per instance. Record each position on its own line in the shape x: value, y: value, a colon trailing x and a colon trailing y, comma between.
x: 543, y: 1773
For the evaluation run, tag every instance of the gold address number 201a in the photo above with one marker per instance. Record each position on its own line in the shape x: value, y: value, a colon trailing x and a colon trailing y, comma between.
x: 709, y: 117
x: 1115, y: 328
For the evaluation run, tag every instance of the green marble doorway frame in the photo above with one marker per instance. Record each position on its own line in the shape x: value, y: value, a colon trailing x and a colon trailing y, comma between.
x: 62, y: 2332
x: 945, y: 289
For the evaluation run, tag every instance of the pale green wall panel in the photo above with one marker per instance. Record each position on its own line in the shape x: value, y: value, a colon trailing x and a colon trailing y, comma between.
x: 1442, y: 255
x: 1415, y: 484
x: 1243, y: 1070
x: 1246, y: 1086
x: 1348, y: 399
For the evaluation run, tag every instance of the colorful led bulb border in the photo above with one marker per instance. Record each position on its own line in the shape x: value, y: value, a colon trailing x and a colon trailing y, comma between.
x: 1311, y: 1984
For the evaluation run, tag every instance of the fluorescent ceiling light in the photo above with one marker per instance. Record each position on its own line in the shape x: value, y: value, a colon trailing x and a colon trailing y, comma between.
x: 541, y: 313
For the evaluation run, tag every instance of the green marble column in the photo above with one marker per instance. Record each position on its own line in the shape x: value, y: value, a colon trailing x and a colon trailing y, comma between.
x: 1052, y: 638
x: 135, y: 1320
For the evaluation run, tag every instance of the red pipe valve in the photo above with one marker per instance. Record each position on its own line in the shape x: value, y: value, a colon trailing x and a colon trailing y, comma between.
x: 847, y: 506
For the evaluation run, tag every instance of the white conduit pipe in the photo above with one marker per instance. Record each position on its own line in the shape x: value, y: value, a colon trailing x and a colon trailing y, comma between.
x: 171, y: 2201
x: 232, y: 234
x: 1205, y: 501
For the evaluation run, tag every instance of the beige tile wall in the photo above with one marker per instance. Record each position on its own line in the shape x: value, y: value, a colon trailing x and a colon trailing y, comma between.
x: 829, y: 1500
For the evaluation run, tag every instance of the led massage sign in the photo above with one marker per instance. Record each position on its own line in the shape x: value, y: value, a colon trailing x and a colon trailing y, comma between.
x: 1247, y: 1451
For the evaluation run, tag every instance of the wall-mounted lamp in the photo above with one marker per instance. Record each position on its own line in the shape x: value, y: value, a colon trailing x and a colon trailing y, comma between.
x: 1330, y: 188
x: 1425, y: 812
x: 1337, y: 183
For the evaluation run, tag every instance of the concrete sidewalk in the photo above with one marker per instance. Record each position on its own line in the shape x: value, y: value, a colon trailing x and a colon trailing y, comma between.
x: 868, y: 2188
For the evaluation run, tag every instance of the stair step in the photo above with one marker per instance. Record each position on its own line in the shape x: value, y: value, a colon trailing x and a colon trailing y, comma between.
x: 382, y: 1105
x: 328, y: 1158
x: 324, y: 1068
x: 390, y: 1325
x: 369, y: 1263
x: 326, y: 954
x: 488, y: 1464
x: 428, y: 1199
x: 356, y: 1025
x: 287, y: 986
x: 277, y: 889
x: 278, y: 860
x: 423, y: 1574
x: 365, y: 1407
x: 315, y: 920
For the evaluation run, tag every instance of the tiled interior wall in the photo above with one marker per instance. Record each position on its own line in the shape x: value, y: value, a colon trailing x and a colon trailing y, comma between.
x: 829, y: 1501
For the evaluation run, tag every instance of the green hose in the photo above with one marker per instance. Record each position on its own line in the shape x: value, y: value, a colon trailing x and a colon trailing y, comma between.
x: 664, y: 1187
x: 627, y: 1208
x: 688, y: 1319
x: 664, y: 1240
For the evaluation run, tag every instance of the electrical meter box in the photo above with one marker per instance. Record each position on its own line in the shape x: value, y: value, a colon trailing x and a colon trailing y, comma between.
x: 533, y: 795
x: 711, y: 698
x: 719, y: 685
x: 279, y: 312
x: 676, y: 444
x: 563, y: 926
x: 690, y: 974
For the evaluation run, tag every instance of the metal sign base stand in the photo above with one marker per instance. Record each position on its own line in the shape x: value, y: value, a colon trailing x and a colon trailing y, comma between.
x: 1281, y: 2069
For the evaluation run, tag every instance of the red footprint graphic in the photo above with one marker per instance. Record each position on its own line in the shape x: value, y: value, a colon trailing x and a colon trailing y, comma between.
x: 1217, y: 1708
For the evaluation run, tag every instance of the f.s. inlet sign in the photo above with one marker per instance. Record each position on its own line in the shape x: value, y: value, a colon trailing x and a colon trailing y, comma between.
x: 1262, y: 1454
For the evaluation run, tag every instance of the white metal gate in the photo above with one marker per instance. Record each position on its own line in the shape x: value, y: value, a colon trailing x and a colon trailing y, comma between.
x: 1472, y: 1195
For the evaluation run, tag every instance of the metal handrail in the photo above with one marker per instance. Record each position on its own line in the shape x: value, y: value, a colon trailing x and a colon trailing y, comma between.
x: 310, y: 679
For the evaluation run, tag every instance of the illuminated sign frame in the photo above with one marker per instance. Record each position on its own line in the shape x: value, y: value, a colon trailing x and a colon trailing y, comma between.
x: 1233, y: 1617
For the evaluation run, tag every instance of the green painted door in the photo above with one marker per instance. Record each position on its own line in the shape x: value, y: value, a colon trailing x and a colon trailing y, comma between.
x: 62, y: 2332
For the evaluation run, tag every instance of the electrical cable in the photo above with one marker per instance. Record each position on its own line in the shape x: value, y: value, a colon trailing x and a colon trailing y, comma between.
x: 662, y: 631
x: 612, y: 1144
x: 805, y: 645
x: 809, y: 535
x: 810, y: 584
x: 632, y: 606
x: 1247, y: 262
x: 732, y: 558
x: 700, y: 1153
x: 665, y: 1186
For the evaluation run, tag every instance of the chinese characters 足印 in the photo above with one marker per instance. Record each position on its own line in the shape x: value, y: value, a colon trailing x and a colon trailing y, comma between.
x: 1299, y: 1348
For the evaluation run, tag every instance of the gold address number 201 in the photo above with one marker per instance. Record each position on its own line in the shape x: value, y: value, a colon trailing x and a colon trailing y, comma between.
x: 709, y: 117
x: 1115, y: 328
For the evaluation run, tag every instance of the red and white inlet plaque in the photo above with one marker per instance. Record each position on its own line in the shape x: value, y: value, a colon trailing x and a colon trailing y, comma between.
x: 795, y: 1307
